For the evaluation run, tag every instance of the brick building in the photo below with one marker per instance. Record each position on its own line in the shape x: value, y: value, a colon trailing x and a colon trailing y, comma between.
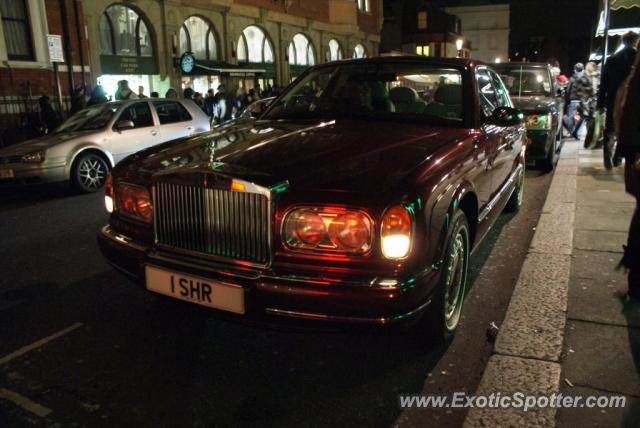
x: 26, y: 72
x: 236, y: 42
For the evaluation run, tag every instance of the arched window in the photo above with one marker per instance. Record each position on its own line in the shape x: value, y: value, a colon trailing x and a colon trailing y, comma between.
x: 334, y: 53
x: 198, y: 36
x: 359, y: 51
x: 124, y: 32
x: 301, y: 51
x: 254, y: 46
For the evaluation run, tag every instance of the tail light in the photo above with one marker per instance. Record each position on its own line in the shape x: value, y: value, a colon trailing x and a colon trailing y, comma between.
x: 328, y: 229
x: 108, y: 193
x: 134, y: 202
x: 396, y: 233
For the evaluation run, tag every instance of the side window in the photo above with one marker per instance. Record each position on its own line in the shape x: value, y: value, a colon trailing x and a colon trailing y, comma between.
x: 486, y: 93
x: 139, y: 114
x: 501, y: 92
x: 171, y: 112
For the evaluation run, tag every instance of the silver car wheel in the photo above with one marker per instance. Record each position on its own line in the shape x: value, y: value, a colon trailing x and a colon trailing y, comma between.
x: 455, y: 281
x: 92, y: 173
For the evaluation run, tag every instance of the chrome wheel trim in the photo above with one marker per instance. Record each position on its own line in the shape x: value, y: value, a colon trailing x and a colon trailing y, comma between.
x: 455, y: 281
x: 92, y: 173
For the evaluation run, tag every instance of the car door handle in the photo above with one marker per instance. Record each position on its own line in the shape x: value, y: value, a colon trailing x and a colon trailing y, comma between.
x: 154, y: 132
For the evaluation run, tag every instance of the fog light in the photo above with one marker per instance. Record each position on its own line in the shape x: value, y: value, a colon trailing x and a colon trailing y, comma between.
x: 396, y: 246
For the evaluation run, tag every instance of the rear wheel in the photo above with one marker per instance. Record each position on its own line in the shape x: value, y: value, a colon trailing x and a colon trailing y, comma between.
x: 445, y: 310
x: 89, y: 173
x: 549, y: 162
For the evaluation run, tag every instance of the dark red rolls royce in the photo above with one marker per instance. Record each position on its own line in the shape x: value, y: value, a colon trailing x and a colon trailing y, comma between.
x: 357, y: 197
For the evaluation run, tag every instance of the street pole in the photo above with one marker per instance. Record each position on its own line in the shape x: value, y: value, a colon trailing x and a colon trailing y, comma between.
x: 56, y: 74
x: 607, y: 15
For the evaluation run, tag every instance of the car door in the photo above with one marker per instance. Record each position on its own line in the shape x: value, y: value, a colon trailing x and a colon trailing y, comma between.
x: 491, y: 134
x: 175, y: 120
x: 510, y: 140
x: 125, y: 141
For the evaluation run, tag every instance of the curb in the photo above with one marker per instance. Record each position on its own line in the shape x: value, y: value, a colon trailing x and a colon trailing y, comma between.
x: 526, y: 355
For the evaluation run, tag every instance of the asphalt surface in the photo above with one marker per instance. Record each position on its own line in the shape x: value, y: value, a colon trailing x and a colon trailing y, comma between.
x: 121, y: 356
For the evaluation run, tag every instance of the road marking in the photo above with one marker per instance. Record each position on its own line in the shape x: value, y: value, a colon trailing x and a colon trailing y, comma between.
x: 25, y: 403
x: 39, y: 343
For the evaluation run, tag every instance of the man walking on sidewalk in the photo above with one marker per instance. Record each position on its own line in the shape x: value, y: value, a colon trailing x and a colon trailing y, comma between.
x: 628, y: 127
x: 615, y: 70
x: 580, y: 91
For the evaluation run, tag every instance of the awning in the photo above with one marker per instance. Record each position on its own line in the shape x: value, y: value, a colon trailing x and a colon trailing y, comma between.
x: 204, y: 68
x: 622, y: 20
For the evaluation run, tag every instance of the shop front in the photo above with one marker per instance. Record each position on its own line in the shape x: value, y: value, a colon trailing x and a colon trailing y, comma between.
x: 127, y: 52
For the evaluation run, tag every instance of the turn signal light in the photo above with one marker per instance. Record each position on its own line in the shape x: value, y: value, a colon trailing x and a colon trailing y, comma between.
x: 134, y: 202
x: 108, y: 193
x: 328, y: 229
x: 396, y: 233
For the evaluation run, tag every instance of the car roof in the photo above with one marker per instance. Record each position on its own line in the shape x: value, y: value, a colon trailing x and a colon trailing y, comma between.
x: 452, y: 62
x: 521, y: 64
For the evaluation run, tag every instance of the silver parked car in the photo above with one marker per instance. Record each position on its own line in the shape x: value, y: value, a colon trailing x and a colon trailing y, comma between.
x: 88, y: 144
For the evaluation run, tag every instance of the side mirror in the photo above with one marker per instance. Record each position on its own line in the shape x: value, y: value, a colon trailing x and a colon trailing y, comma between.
x: 122, y: 125
x: 505, y: 116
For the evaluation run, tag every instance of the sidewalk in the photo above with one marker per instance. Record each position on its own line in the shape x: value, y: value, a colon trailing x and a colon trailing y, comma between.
x: 566, y: 330
x: 601, y: 352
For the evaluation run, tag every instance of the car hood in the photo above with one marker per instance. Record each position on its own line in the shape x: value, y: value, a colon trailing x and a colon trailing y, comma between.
x: 534, y: 104
x: 346, y: 155
x: 41, y: 143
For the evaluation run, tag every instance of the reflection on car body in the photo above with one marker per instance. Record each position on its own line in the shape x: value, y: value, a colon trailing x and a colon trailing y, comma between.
x: 352, y: 199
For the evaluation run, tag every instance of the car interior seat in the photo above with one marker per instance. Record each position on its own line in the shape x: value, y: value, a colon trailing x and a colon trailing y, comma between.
x: 447, y: 102
x: 380, y: 100
x: 406, y: 100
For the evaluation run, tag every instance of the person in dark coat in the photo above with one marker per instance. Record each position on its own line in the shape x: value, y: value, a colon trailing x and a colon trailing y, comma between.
x: 580, y: 91
x: 98, y: 96
x: 628, y: 128
x: 615, y: 70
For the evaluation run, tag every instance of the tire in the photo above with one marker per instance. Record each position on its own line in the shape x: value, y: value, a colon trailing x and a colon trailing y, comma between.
x: 515, y: 201
x: 89, y: 173
x: 547, y: 164
x: 443, y: 316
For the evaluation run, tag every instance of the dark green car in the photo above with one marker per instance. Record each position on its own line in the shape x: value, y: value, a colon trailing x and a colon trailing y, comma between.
x: 533, y: 90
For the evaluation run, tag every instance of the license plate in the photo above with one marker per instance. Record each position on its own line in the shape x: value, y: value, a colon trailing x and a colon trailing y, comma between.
x: 202, y: 291
x: 6, y: 173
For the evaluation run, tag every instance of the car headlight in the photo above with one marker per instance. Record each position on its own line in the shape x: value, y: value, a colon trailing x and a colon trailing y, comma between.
x: 329, y: 229
x: 538, y: 121
x: 134, y: 202
x: 34, y: 157
x: 396, y: 233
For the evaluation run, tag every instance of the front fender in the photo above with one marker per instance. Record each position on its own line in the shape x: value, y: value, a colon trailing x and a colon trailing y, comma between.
x: 82, y: 148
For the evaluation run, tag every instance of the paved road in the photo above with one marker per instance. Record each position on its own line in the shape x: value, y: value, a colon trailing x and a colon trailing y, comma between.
x: 126, y: 357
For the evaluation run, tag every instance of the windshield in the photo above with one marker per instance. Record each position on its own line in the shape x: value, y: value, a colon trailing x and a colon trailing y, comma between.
x: 526, y: 81
x: 90, y: 119
x: 380, y: 91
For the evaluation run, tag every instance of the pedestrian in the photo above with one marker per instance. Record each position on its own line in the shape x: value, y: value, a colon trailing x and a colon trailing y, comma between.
x: 197, y: 98
x: 209, y: 102
x: 48, y: 116
x: 188, y: 93
x: 580, y: 91
x: 628, y: 128
x: 141, y: 92
x: 98, y: 96
x: 223, y: 106
x: 124, y: 92
x: 171, y: 93
x: 615, y: 70
x: 154, y: 94
x: 78, y: 101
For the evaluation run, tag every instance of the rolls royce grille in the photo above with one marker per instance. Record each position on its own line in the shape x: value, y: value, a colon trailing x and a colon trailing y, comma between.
x: 217, y: 222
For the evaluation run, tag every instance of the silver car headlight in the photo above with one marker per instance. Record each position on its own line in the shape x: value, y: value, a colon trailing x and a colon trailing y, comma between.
x: 34, y: 157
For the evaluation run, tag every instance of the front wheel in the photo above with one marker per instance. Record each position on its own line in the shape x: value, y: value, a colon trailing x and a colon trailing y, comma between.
x: 515, y: 201
x: 549, y: 162
x: 89, y: 173
x: 443, y: 316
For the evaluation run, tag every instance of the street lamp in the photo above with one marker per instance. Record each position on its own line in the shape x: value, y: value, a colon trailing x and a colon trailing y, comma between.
x: 459, y: 44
